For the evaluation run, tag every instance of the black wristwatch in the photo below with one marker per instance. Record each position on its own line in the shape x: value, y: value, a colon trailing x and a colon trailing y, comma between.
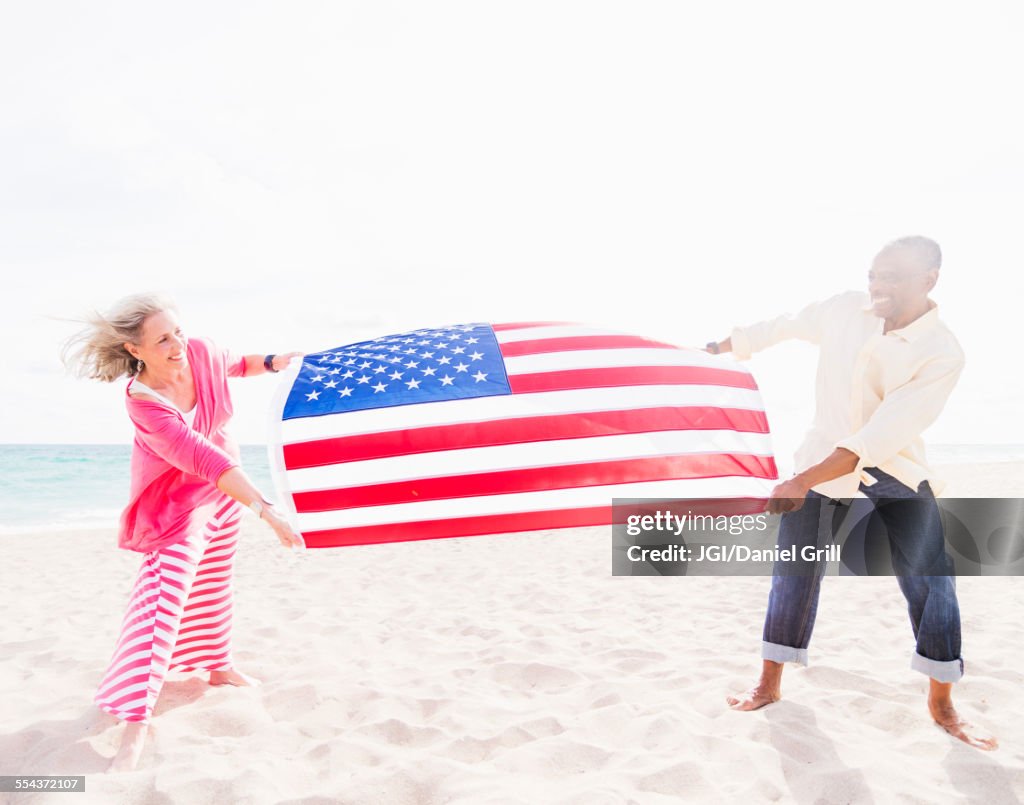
x: 268, y: 363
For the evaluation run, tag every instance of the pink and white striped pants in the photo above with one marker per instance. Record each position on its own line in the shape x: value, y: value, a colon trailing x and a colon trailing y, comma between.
x: 179, y: 617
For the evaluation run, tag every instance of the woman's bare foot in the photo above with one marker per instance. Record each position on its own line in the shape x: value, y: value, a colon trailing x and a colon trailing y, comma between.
x: 940, y: 705
x: 132, y: 740
x: 233, y: 677
x: 767, y: 690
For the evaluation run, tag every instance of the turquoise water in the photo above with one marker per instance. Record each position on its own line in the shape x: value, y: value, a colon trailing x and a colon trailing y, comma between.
x: 45, y: 486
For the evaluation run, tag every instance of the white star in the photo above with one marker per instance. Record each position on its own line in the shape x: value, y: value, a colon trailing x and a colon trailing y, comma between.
x: 429, y: 370
x: 347, y: 375
x: 395, y: 375
x: 423, y: 343
x: 363, y: 379
x: 396, y: 359
x: 479, y: 376
x: 330, y: 384
x: 345, y: 392
x: 447, y: 380
x: 350, y: 361
x: 364, y: 365
x: 461, y: 367
x: 380, y: 370
x: 472, y: 340
x: 440, y: 345
x: 413, y: 384
x: 426, y: 354
x: 444, y: 359
x: 334, y: 371
x: 410, y: 351
x: 476, y: 356
x: 317, y: 379
x: 313, y: 395
x: 412, y: 364
x: 379, y: 387
x: 458, y: 350
x: 454, y: 337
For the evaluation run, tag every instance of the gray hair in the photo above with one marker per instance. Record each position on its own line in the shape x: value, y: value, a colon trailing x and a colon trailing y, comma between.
x: 97, y: 351
x: 923, y: 251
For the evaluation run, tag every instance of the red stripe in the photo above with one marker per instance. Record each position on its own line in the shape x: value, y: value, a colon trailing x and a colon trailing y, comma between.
x: 534, y: 479
x: 523, y: 324
x: 519, y: 430
x: 539, y: 346
x: 503, y: 523
x: 197, y: 662
x: 223, y: 632
x: 217, y: 613
x: 605, y: 377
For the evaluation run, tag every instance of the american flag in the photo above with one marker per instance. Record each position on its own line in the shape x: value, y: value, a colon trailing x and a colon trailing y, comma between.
x: 481, y: 429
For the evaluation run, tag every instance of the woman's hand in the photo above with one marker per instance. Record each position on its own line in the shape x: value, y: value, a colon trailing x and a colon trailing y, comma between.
x: 289, y: 538
x: 281, y: 361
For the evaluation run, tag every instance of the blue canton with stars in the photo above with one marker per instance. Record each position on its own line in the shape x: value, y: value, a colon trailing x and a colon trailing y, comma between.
x: 445, y: 363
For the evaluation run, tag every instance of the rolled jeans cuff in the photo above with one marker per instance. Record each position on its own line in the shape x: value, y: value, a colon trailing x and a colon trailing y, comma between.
x: 939, y: 670
x: 779, y: 653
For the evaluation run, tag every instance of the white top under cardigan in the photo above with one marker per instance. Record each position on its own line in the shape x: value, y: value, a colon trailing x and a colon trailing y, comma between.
x: 140, y: 387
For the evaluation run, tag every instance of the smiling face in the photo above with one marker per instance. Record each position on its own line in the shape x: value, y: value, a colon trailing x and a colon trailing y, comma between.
x: 899, y: 284
x: 162, y: 343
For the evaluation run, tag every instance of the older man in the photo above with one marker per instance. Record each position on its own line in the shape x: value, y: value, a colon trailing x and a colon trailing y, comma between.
x: 887, y: 365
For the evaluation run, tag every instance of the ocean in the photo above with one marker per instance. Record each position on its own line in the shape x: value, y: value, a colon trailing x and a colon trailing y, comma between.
x: 55, y: 486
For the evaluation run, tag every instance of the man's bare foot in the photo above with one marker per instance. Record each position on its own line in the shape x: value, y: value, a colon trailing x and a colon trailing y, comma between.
x: 132, y: 740
x: 233, y: 677
x: 754, y: 699
x: 767, y: 690
x: 940, y: 705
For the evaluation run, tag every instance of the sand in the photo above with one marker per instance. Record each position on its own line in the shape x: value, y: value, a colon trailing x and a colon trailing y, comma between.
x: 506, y: 669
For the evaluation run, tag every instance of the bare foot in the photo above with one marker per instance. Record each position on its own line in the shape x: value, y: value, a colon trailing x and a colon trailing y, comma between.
x: 233, y: 677
x: 767, y: 690
x: 132, y: 740
x: 755, y: 698
x: 946, y: 716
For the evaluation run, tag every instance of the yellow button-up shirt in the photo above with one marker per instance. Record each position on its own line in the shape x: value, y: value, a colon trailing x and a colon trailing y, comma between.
x: 875, y: 393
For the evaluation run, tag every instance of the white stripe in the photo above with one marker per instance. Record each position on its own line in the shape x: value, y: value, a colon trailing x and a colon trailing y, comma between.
x: 529, y: 454
x: 483, y: 409
x: 608, y: 358
x: 728, y: 487
x: 550, y: 331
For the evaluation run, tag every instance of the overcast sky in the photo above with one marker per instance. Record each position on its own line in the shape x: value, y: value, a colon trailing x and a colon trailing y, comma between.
x: 304, y: 175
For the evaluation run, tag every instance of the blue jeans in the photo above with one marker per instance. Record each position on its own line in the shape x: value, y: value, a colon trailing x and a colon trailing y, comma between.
x: 911, y: 522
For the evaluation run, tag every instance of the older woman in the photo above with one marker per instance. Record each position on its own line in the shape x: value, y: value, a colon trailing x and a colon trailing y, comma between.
x: 187, y: 490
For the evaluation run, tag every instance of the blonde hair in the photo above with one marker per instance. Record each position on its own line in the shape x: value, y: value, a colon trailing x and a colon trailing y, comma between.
x: 97, y: 351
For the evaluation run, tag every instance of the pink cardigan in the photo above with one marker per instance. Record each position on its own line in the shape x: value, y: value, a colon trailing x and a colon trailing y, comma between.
x: 174, y: 468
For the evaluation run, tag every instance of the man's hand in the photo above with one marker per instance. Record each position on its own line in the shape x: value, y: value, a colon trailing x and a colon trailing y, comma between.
x: 787, y: 496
